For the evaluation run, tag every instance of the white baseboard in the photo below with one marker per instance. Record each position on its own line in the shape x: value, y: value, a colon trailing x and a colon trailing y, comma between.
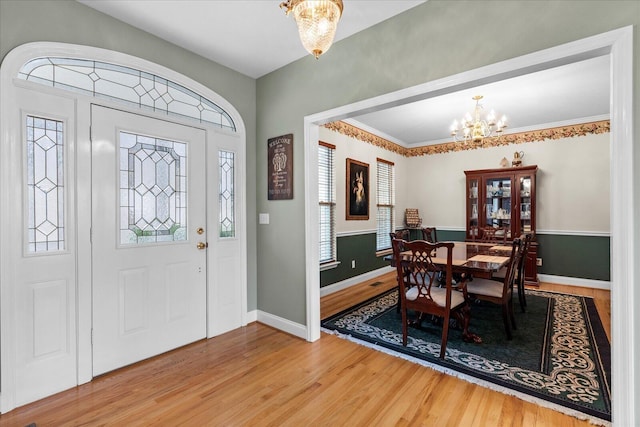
x: 282, y: 324
x: 347, y: 283
x: 575, y: 281
x: 252, y: 316
x: 300, y: 331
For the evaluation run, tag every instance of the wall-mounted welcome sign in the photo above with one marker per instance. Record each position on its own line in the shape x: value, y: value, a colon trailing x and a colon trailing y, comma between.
x: 280, y: 159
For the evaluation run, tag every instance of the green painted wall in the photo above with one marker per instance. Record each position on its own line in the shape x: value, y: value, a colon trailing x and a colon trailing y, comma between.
x: 585, y: 257
x: 421, y: 45
x: 455, y: 236
x: 361, y: 249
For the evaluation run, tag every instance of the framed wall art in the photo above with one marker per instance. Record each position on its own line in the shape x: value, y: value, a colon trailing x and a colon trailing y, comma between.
x: 280, y: 169
x: 357, y: 191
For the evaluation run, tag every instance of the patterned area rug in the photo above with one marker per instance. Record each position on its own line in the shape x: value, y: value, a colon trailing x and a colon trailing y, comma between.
x: 559, y: 356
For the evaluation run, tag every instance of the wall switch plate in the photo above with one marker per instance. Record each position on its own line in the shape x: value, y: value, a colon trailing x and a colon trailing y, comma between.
x: 353, y: 263
x: 539, y: 262
x: 263, y: 218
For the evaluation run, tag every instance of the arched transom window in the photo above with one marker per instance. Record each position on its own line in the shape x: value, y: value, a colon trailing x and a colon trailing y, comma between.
x: 128, y: 85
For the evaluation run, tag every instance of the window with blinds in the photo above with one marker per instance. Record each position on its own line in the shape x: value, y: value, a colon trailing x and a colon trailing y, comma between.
x: 327, y: 202
x: 385, y: 204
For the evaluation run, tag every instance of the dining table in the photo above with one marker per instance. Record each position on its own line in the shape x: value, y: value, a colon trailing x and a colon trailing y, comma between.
x: 476, y: 259
x: 473, y: 259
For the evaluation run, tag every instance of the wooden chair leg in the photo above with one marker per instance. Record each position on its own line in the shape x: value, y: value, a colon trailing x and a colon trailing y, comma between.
x: 507, y: 321
x: 445, y: 336
x: 521, y: 296
x: 404, y: 328
x: 512, y: 315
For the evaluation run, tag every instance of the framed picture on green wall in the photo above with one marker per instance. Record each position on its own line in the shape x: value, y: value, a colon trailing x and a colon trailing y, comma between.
x: 357, y: 191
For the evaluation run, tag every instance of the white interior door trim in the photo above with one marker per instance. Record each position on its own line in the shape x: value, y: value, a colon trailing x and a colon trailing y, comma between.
x: 10, y: 67
x: 619, y: 45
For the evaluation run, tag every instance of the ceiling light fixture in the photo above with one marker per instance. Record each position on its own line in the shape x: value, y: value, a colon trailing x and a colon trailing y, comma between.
x: 317, y: 22
x: 475, y: 128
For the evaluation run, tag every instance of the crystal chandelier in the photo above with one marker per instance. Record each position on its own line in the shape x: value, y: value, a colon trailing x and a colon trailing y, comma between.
x: 317, y: 22
x: 475, y: 128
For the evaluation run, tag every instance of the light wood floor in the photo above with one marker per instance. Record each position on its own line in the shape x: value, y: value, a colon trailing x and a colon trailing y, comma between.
x: 257, y: 376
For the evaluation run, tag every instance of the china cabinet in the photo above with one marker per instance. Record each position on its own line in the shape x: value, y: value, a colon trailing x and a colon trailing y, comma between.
x: 505, y: 199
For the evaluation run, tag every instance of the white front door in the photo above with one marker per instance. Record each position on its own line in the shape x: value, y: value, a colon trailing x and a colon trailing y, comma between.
x: 148, y: 237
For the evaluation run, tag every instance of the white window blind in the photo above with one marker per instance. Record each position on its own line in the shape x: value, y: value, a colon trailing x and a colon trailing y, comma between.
x: 385, y: 204
x: 327, y: 202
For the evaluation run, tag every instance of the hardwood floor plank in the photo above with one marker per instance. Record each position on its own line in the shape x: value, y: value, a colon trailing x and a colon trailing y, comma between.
x: 258, y: 376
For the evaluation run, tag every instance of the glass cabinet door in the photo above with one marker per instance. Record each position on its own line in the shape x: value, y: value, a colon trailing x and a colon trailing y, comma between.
x: 472, y: 207
x: 497, y: 207
x: 525, y: 188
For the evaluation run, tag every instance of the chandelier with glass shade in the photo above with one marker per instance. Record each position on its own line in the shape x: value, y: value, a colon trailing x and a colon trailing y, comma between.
x: 317, y: 22
x: 475, y: 128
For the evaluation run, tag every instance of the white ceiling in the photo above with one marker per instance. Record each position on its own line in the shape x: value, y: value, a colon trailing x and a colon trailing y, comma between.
x: 252, y: 37
x: 256, y: 37
x: 570, y: 94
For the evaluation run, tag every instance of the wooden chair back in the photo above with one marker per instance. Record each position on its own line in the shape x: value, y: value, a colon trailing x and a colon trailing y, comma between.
x: 429, y: 234
x: 419, y: 288
x: 399, y: 234
x: 520, y: 275
x: 500, y: 292
x: 494, y: 235
x: 512, y: 268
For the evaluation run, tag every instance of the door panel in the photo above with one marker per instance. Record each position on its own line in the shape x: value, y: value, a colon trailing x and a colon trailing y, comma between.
x: 148, y: 200
x: 227, y: 275
x: 39, y: 249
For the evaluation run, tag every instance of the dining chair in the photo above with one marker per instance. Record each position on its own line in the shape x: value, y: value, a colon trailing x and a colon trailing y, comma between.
x: 493, y: 235
x: 500, y: 292
x: 399, y: 234
x: 520, y: 273
x: 420, y: 291
x: 429, y: 234
x: 402, y: 236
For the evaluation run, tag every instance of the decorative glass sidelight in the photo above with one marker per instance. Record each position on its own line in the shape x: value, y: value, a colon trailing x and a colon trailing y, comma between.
x: 153, y: 189
x: 45, y: 185
x: 126, y: 85
x: 226, y: 160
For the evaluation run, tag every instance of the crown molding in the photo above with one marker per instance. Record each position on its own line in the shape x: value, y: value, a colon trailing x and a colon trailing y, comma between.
x: 554, y: 133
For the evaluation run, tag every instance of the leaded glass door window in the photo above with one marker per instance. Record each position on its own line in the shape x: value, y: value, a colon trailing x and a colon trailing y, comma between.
x: 226, y: 160
x: 153, y: 189
x: 45, y: 184
x: 132, y: 87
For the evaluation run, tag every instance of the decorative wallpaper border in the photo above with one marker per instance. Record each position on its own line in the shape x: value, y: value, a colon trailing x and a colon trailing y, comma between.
x: 602, y: 126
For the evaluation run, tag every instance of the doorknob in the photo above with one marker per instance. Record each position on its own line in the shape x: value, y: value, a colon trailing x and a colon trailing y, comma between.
x: 202, y: 245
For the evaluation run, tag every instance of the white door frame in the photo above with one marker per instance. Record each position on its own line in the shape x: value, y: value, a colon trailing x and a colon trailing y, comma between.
x: 82, y: 186
x: 618, y: 44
